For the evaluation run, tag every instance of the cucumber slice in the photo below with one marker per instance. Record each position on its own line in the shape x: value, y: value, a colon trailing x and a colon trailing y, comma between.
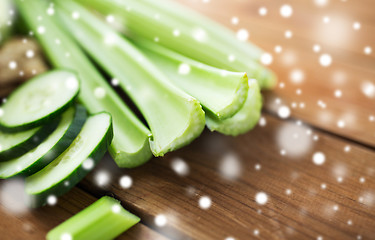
x: 13, y: 145
x: 72, y: 165
x: 39, y: 100
x: 104, y: 219
x: 69, y: 127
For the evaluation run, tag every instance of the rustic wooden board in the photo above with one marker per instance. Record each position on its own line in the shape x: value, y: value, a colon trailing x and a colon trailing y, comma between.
x: 307, y: 212
x: 35, y: 224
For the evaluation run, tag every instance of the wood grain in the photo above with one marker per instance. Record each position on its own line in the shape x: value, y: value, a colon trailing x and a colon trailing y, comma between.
x: 307, y: 212
x: 35, y: 224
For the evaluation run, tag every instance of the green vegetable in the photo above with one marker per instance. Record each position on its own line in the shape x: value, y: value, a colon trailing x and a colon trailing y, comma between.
x: 57, y: 142
x: 187, y: 33
x: 74, y: 163
x: 6, y: 18
x: 174, y: 117
x: 39, y: 100
x: 13, y: 145
x: 245, y: 119
x: 103, y: 220
x: 220, y: 92
x: 130, y: 146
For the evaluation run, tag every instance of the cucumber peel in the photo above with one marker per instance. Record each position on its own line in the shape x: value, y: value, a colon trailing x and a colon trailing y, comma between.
x: 39, y: 100
x: 13, y: 145
x: 74, y: 163
x: 130, y: 145
x: 56, y: 143
x: 102, y: 220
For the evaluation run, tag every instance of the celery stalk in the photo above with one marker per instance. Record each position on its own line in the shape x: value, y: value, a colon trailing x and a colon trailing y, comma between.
x: 220, y: 92
x: 245, y: 119
x: 175, y: 118
x: 130, y: 147
x: 187, y: 33
x: 6, y: 18
x: 104, y: 219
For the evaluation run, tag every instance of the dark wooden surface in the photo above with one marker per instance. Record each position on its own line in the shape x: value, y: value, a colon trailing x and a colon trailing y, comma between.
x: 335, y: 200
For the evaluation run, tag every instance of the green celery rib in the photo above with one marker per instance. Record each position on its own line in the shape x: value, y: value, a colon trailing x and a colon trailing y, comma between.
x: 175, y: 118
x: 130, y: 146
x: 245, y: 119
x: 102, y: 220
x: 220, y: 92
x: 188, y: 33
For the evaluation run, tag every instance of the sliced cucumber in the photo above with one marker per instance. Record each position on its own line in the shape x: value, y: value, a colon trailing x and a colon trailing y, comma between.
x: 104, y: 219
x: 69, y: 127
x: 39, y: 100
x: 72, y: 165
x: 13, y: 145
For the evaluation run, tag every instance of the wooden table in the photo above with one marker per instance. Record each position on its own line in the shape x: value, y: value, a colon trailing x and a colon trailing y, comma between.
x: 266, y: 184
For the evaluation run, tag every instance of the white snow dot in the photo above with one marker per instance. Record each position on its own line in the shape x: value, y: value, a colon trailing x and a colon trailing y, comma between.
x: 368, y: 89
x: 338, y: 93
x: 323, y: 186
x: 288, y: 191
x: 205, y: 202
x: 88, y: 164
x: 340, y: 179
x: 51, y: 200
x: 319, y: 158
x: 256, y: 232
x: 231, y: 58
x: 30, y: 53
x: 262, y: 11
x: 321, y: 3
x: 325, y: 60
x: 66, y: 236
x: 356, y: 25
x: 116, y: 208
x: 316, y: 48
x: 284, y: 112
x: 110, y: 19
x: 367, y: 50
x: 261, y: 198
x: 319, y: 238
x: 347, y: 148
x: 12, y: 65
x: 160, y: 220
x: 230, y: 238
x: 262, y: 121
x: 75, y: 15
x: 115, y: 82
x: 286, y: 11
x: 199, y: 34
x: 176, y: 32
x: 180, y: 167
x: 41, y: 29
x: 126, y: 181
x: 297, y: 76
x: 288, y: 34
x: 278, y: 49
x: 335, y: 207
x: 341, y: 123
x: 99, y: 92
x: 326, y: 19
x: 184, y: 69
x: 57, y: 41
x: 235, y: 20
x: 362, y: 179
x: 71, y: 83
x: 257, y: 167
x: 242, y: 35
x: 50, y: 11
x: 230, y: 166
x: 350, y: 222
x: 102, y: 178
x: 266, y: 58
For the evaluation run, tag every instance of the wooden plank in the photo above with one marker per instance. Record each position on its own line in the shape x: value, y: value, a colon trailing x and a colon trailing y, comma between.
x: 349, y: 72
x: 335, y: 200
x: 35, y: 224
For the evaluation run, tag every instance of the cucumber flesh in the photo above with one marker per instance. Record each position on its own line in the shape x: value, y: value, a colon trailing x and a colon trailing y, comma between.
x: 13, y: 145
x: 59, y: 140
x: 68, y: 169
x: 104, y: 219
x: 39, y: 100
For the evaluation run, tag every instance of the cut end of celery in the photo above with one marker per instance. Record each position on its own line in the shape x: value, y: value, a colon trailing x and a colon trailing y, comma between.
x: 125, y: 159
x: 268, y: 79
x: 194, y: 127
x: 242, y: 121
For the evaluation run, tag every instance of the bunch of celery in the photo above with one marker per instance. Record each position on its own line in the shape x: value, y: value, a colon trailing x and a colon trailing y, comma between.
x: 172, y: 63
